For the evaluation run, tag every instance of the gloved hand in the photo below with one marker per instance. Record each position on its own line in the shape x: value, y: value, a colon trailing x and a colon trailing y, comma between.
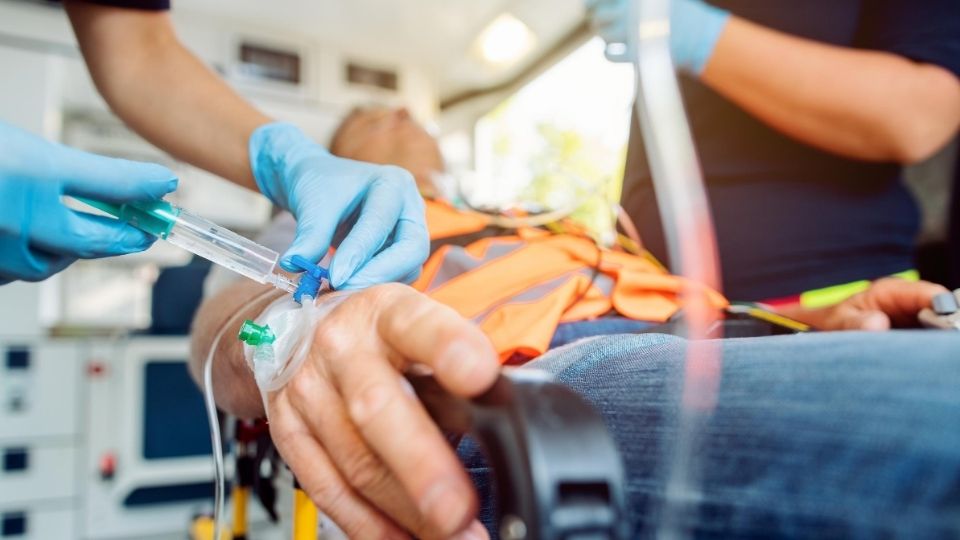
x: 373, y: 214
x: 39, y: 236
x: 695, y: 29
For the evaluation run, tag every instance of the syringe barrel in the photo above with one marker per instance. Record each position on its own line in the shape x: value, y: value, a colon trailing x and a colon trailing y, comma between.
x: 224, y: 247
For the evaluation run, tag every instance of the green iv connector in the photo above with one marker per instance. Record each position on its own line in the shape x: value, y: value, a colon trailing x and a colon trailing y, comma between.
x: 154, y: 217
x: 253, y: 334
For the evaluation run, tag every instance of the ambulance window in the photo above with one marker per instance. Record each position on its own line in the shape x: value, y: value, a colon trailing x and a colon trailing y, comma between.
x: 560, y: 141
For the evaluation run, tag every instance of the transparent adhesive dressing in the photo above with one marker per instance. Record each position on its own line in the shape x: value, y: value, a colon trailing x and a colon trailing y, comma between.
x: 201, y: 237
x: 289, y: 326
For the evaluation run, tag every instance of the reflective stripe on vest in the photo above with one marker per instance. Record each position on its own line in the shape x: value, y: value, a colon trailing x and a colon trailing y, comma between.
x: 519, y: 288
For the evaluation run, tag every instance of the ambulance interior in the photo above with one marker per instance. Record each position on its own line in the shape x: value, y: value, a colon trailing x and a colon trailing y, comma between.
x: 102, y: 430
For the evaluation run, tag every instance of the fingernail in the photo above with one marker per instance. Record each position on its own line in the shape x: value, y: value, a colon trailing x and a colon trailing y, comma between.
x: 342, y: 272
x: 468, y: 534
x: 172, y: 185
x: 474, y: 532
x: 134, y: 240
x: 444, y: 506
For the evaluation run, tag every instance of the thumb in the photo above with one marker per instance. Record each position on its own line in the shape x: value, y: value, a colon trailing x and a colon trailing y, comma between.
x: 110, y: 179
x: 312, y: 240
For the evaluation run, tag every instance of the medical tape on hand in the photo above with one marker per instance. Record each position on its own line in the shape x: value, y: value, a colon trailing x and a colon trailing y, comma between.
x: 274, y: 364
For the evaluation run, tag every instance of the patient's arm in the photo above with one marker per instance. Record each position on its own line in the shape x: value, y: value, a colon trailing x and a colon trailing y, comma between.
x: 233, y: 384
x: 347, y: 424
x: 888, y: 303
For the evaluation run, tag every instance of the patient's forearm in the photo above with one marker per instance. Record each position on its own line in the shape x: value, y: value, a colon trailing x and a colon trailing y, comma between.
x: 233, y: 385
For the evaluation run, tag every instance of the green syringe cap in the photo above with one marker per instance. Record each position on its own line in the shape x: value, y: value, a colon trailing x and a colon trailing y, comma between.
x: 253, y: 334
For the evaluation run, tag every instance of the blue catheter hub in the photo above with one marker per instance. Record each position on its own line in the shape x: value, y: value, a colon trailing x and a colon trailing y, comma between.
x: 311, y: 279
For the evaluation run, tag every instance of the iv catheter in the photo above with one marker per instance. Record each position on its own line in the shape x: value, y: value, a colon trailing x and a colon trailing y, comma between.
x: 201, y: 237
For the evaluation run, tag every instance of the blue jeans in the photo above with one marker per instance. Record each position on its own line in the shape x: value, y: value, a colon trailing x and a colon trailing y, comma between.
x: 850, y: 435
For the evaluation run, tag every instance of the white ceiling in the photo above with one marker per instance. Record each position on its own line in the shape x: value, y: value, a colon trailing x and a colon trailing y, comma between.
x: 437, y: 35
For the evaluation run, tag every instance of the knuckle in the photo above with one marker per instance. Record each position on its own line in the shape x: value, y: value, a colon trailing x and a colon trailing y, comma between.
x: 365, y: 472
x: 381, y: 295
x: 401, y: 317
x: 301, y: 387
x: 330, y: 497
x: 364, y: 529
x: 327, y: 333
x: 283, y: 437
x: 368, y: 402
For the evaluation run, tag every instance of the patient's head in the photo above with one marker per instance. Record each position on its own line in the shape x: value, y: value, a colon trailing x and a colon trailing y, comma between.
x: 389, y: 137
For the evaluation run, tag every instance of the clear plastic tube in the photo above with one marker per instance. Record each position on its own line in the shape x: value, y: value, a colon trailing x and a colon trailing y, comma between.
x: 691, y: 242
x: 228, y: 249
x: 216, y: 441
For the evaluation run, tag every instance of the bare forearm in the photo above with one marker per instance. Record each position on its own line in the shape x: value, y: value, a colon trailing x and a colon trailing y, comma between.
x: 860, y: 104
x: 233, y: 384
x: 163, y: 91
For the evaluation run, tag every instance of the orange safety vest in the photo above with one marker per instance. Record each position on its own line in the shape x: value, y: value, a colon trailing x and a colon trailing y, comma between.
x: 518, y: 288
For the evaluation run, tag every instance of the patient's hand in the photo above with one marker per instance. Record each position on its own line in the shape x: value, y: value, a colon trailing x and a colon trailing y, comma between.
x: 888, y: 303
x: 355, y: 435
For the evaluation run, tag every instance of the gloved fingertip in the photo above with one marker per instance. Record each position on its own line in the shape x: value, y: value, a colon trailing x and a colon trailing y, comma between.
x: 339, y: 279
x: 166, y: 184
x: 343, y: 267
x: 133, y: 240
x: 286, y: 263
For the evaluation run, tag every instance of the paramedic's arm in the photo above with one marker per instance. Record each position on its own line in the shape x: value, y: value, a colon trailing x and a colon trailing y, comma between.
x: 163, y: 91
x: 348, y: 426
x: 888, y: 303
x: 372, y: 214
x: 861, y: 104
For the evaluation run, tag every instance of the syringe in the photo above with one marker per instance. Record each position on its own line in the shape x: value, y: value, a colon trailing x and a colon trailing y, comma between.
x: 201, y: 237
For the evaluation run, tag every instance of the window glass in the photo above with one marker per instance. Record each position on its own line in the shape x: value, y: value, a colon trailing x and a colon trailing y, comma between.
x: 559, y: 143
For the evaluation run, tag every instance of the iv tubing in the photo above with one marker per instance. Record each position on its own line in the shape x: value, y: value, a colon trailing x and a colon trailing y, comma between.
x: 219, y: 469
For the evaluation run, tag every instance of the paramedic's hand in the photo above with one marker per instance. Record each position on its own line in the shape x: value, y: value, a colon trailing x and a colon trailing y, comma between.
x: 888, y: 303
x: 39, y: 236
x: 374, y: 212
x: 355, y: 435
x: 695, y: 29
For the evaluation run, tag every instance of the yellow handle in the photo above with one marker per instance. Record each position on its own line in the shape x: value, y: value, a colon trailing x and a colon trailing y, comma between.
x: 306, y: 519
x: 240, y: 496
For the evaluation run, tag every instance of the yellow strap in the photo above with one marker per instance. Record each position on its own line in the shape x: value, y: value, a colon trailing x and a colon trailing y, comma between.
x: 829, y: 296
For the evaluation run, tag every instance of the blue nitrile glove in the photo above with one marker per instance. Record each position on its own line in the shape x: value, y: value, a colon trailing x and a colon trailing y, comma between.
x: 373, y: 214
x: 39, y: 236
x: 695, y: 29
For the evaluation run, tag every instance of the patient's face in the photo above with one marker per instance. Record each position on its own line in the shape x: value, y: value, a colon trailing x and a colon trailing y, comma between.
x: 389, y: 137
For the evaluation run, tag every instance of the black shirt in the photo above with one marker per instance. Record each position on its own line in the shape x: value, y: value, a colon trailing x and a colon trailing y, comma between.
x: 791, y: 218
